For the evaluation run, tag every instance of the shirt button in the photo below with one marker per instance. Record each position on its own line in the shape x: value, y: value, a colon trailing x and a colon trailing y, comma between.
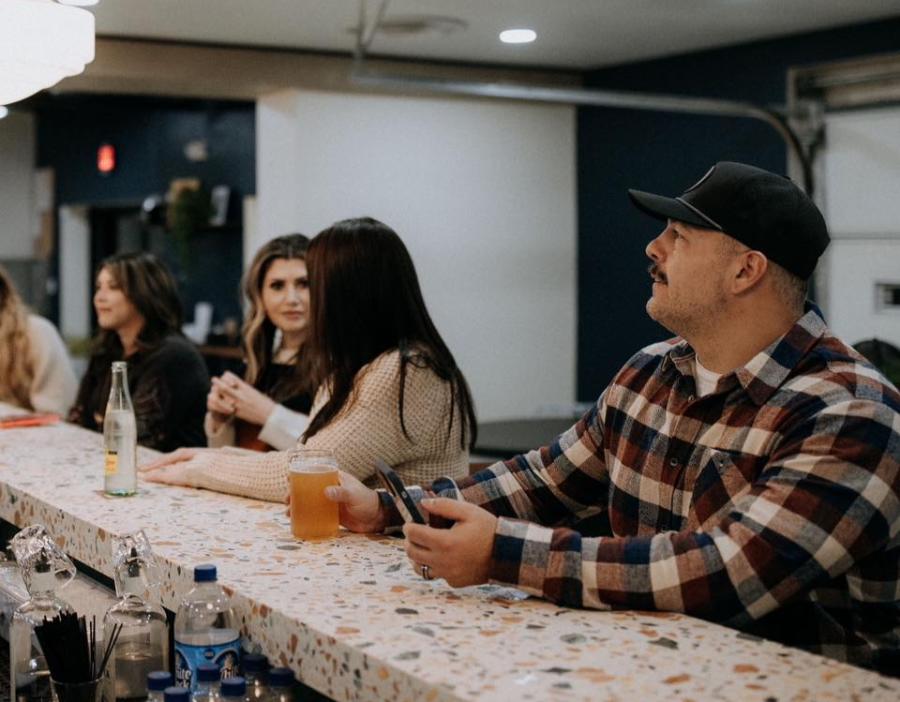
x: 690, y: 398
x: 673, y: 462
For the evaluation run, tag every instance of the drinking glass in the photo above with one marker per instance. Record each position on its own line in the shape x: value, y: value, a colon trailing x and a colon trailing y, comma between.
x: 313, y: 516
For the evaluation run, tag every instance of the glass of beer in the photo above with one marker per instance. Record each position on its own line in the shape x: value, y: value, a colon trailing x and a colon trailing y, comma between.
x: 313, y: 516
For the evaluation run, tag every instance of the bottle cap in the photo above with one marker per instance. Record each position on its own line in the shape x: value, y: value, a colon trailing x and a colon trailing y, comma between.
x: 255, y: 663
x: 281, y: 677
x: 205, y: 573
x: 208, y: 672
x: 177, y: 694
x: 159, y: 680
x: 234, y: 687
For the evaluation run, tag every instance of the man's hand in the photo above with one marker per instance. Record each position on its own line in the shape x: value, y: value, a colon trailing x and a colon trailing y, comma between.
x: 462, y: 554
x: 359, y: 507
x: 246, y: 401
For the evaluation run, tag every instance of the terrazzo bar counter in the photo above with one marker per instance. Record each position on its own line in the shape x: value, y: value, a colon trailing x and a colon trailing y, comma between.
x: 354, y: 622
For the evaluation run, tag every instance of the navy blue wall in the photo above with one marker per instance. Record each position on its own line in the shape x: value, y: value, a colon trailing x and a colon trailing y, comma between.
x: 149, y: 135
x: 665, y: 153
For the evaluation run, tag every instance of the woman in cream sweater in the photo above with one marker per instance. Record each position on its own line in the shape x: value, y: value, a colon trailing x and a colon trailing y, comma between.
x: 389, y: 387
x: 35, y: 372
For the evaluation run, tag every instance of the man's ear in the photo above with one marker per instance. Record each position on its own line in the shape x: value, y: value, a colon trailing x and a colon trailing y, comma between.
x: 751, y: 267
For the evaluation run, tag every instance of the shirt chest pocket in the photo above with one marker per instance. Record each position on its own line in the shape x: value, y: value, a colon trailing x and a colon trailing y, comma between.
x: 722, y: 478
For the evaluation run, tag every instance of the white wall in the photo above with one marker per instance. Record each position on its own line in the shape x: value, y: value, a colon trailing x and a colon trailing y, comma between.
x: 74, y: 271
x: 483, y: 194
x: 17, y: 139
x: 862, y: 208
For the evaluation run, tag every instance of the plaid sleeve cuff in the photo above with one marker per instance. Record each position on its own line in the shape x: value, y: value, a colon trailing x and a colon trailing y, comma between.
x: 521, y: 555
x: 541, y: 561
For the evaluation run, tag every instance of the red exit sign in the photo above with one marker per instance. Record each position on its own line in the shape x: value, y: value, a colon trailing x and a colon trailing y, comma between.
x: 106, y: 159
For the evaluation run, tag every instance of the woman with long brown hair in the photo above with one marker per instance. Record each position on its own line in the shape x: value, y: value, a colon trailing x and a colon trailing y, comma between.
x: 35, y: 373
x: 139, y: 314
x: 269, y: 407
x: 389, y: 387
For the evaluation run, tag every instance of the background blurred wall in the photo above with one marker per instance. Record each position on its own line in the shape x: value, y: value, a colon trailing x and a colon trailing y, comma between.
x: 482, y: 193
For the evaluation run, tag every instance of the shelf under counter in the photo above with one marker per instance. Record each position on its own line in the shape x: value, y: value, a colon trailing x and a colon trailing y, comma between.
x: 354, y: 621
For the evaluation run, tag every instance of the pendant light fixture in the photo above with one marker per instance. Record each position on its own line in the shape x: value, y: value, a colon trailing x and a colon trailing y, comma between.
x: 41, y: 42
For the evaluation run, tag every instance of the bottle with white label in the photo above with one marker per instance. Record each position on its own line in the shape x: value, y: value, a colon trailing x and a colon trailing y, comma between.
x: 120, y: 436
x: 205, y: 630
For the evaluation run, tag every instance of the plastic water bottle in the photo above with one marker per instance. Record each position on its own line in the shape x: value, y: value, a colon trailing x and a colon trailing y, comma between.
x: 157, y: 682
x: 281, y: 685
x: 234, y: 689
x: 120, y: 436
x: 207, y: 683
x: 177, y: 694
x: 256, y: 667
x: 205, y: 630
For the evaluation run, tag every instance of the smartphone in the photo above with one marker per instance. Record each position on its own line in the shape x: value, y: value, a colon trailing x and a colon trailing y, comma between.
x: 392, y: 483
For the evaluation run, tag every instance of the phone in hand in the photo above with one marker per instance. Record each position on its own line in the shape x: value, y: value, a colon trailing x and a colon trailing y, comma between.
x: 394, y: 485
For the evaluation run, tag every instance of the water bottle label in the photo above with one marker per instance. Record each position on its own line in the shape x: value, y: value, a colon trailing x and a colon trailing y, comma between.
x: 112, y: 462
x: 188, y: 657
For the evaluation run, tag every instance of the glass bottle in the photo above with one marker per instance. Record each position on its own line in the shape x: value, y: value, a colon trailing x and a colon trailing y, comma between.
x: 120, y: 436
x: 45, y: 569
x: 142, y: 646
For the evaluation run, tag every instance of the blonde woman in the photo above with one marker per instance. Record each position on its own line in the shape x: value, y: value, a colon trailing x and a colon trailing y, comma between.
x: 35, y: 372
x: 269, y: 407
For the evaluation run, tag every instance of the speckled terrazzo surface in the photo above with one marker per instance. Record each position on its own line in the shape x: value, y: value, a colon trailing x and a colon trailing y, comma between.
x: 352, y: 619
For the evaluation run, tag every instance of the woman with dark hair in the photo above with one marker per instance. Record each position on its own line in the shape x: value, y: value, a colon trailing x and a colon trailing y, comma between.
x: 269, y: 407
x: 389, y: 387
x: 139, y: 315
x: 35, y: 372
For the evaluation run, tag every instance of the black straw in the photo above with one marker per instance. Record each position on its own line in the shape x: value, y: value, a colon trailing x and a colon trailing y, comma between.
x: 69, y: 645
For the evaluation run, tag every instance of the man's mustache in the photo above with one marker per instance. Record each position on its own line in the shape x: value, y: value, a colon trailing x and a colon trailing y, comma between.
x: 657, y: 274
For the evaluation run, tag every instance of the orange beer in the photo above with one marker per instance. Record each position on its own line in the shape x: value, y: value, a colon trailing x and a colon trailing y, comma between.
x: 313, y: 516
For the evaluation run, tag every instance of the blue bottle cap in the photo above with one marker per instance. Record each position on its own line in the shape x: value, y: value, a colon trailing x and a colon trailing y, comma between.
x: 177, y: 694
x: 234, y: 687
x: 254, y: 663
x: 159, y: 680
x: 208, y: 672
x: 205, y: 573
x: 281, y: 677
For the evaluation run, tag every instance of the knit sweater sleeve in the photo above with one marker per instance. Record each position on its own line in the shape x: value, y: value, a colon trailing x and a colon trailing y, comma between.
x: 54, y: 385
x: 261, y: 476
x: 369, y: 427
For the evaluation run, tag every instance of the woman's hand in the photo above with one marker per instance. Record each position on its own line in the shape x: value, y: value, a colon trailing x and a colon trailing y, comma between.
x: 359, y: 508
x: 245, y: 401
x: 179, y: 467
x: 220, y: 406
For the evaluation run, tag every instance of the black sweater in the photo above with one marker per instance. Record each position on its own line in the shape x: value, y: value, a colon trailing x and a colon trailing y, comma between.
x: 168, y: 386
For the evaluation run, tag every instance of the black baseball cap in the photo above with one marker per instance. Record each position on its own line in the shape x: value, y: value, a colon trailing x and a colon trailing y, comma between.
x: 762, y: 210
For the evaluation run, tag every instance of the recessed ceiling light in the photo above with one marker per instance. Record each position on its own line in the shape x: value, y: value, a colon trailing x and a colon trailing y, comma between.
x: 518, y: 36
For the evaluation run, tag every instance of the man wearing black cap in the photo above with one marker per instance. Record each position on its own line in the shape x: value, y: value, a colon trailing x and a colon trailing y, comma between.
x: 749, y: 468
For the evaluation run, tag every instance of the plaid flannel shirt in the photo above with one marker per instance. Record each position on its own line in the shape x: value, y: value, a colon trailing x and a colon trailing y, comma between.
x: 771, y: 505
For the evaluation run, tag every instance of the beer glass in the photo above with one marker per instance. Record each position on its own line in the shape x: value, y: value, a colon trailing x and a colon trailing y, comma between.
x: 313, y: 516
